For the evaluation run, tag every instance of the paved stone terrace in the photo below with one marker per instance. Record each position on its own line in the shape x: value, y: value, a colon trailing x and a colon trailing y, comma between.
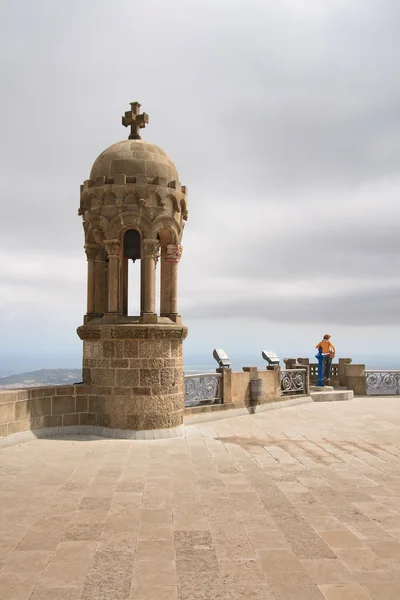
x: 300, y: 503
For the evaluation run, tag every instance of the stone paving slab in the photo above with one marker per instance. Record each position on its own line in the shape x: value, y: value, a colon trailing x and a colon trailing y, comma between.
x: 301, y: 503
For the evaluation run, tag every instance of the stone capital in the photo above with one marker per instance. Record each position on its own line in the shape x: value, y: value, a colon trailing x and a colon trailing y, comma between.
x: 151, y: 248
x: 174, y: 253
x: 91, y: 251
x: 113, y: 247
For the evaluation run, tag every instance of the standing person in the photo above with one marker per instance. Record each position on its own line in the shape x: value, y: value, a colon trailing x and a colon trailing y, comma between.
x: 328, y: 352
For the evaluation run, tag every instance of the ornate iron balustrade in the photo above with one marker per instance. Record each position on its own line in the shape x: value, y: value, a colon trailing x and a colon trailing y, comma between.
x: 382, y: 382
x: 293, y: 381
x: 202, y: 388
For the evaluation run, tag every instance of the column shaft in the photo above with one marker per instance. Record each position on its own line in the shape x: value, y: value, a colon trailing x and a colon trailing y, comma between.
x: 100, y: 285
x: 90, y: 286
x: 149, y: 257
x: 164, y: 283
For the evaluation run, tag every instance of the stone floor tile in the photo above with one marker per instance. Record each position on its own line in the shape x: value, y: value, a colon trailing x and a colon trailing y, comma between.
x: 82, y: 532
x: 155, y: 550
x: 361, y: 559
x: 64, y: 593
x: 64, y: 574
x: 154, y: 593
x: 154, y: 515
x: 111, y: 540
x: 38, y: 539
x: 369, y: 531
x: 154, y: 573
x: 344, y: 591
x: 327, y: 570
x: 17, y: 586
x: 341, y: 539
x: 74, y: 552
x: 288, y: 577
x: 249, y: 591
x: 386, y: 549
x: 155, y: 531
x: 267, y: 539
x: 201, y: 585
x: 381, y: 585
x: 326, y: 523
x: 23, y: 561
x: 187, y: 541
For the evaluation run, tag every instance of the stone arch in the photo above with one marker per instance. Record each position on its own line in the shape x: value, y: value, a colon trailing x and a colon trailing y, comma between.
x: 167, y: 224
x: 131, y: 199
x: 174, y: 202
x: 133, y: 219
x: 184, y: 209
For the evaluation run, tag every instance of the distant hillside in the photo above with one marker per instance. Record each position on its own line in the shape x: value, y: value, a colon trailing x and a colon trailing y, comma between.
x: 41, y: 377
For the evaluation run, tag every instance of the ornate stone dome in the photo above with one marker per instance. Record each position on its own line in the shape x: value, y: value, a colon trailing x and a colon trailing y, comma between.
x: 132, y: 158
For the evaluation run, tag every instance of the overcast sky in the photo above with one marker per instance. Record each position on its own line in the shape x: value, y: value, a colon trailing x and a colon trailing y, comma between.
x: 283, y: 119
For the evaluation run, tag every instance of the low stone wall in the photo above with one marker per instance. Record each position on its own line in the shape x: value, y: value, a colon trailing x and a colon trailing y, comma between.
x: 236, y: 385
x: 42, y: 407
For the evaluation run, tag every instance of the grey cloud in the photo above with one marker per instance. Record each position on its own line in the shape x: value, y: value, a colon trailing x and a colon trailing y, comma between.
x: 262, y: 105
x: 369, y: 307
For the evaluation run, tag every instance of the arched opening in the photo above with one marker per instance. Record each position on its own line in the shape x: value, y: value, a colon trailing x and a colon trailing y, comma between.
x: 130, y: 273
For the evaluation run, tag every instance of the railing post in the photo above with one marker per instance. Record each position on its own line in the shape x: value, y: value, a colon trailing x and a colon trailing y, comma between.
x: 355, y: 379
x: 226, y: 385
x: 342, y: 368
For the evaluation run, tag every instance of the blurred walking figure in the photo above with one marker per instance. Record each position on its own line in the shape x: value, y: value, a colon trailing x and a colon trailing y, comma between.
x: 328, y: 352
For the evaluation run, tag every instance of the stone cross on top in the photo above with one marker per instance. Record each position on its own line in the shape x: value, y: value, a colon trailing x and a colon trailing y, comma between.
x: 135, y: 120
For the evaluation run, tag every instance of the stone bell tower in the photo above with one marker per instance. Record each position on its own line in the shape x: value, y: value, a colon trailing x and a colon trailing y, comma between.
x: 133, y: 208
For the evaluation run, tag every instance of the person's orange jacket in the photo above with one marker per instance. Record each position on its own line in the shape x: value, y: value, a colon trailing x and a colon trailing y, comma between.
x: 327, y: 348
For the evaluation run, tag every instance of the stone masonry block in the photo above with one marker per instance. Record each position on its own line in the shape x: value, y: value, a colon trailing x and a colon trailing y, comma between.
x: 7, y: 412
x: 88, y: 419
x: 127, y: 377
x: 131, y: 349
x: 103, y: 377
x: 6, y: 397
x: 155, y: 349
x: 119, y: 348
x: 83, y: 390
x: 82, y: 404
x: 52, y: 421
x: 63, y: 405
x: 92, y: 349
x: 108, y: 349
x: 65, y: 390
x: 22, y: 410
x: 167, y: 377
x: 40, y: 407
x: 155, y: 363
x: 37, y: 393
x: 37, y: 423
x: 87, y: 375
x: 176, y: 349
x: 69, y: 420
x: 120, y: 363
x: 149, y: 377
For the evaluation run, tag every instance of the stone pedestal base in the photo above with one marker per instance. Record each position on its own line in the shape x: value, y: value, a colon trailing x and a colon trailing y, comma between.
x: 136, y: 374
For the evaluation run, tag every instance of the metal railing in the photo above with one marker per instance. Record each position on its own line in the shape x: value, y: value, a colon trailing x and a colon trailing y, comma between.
x: 202, y: 388
x: 293, y: 381
x: 380, y: 383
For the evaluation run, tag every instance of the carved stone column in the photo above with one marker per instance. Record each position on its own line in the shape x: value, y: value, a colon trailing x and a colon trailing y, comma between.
x: 164, y: 283
x: 149, y: 261
x: 91, y: 252
x: 173, y: 255
x: 113, y: 248
x: 100, y: 306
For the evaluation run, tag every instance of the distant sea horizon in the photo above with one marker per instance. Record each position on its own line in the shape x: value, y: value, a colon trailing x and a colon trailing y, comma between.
x: 201, y: 366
